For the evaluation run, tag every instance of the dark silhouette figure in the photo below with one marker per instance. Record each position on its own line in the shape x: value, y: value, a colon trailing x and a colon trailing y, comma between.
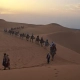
x: 53, y: 50
x: 46, y: 43
x: 17, y: 33
x: 37, y: 39
x: 6, y: 61
x: 32, y: 38
x: 27, y: 37
x: 22, y: 35
x: 48, y: 58
x: 5, y: 30
x: 41, y: 41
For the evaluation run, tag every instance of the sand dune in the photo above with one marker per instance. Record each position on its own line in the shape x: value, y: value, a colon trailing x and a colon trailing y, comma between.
x: 28, y: 60
x: 45, y: 29
x: 70, y: 39
x: 24, y: 53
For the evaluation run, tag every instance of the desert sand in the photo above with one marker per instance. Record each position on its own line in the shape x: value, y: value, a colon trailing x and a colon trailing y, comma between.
x: 28, y: 60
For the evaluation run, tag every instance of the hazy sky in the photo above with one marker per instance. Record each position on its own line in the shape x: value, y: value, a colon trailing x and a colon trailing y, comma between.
x: 64, y: 12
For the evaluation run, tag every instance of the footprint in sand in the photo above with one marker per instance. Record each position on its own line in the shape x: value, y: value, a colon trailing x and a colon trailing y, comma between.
x: 56, y: 75
x: 55, y: 69
x: 19, y: 59
x: 15, y: 65
x: 49, y: 67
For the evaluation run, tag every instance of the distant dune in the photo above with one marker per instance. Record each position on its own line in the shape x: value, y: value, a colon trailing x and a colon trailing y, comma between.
x: 70, y: 40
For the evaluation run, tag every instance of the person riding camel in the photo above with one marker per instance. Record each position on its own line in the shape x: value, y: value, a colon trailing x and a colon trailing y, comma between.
x: 51, y: 46
x: 27, y: 37
x: 41, y: 41
x: 46, y: 43
x: 32, y: 37
x: 53, y: 50
x: 37, y: 39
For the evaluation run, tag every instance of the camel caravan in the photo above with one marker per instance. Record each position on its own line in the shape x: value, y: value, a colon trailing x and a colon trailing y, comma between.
x: 14, y: 31
x: 38, y: 40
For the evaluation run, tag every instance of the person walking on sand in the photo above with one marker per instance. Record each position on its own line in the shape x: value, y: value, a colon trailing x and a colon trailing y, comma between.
x: 6, y: 61
x: 48, y: 58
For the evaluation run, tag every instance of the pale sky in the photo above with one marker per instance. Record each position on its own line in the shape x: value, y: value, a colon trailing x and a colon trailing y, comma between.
x: 64, y: 12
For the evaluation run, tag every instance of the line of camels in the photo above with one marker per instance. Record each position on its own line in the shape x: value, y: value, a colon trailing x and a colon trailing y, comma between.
x: 31, y: 38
